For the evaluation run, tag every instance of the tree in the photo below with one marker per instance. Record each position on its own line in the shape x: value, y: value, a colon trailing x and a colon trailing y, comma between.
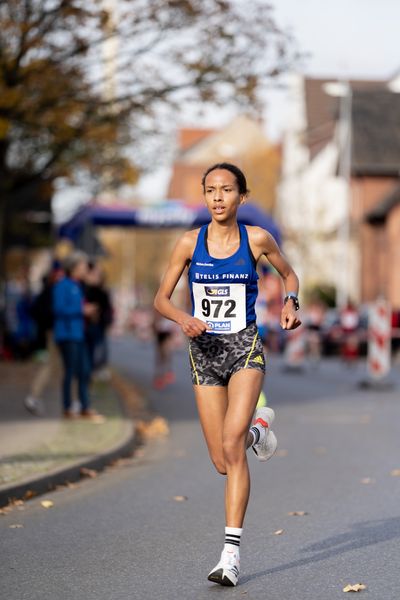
x: 85, y: 85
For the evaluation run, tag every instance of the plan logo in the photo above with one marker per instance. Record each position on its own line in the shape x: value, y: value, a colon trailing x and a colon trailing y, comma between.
x: 218, y: 290
x: 219, y: 326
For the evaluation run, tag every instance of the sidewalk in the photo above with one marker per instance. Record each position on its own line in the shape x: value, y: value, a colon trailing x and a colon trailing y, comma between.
x: 39, y: 453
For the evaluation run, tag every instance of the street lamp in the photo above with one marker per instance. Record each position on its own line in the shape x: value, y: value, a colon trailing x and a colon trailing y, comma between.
x: 343, y: 91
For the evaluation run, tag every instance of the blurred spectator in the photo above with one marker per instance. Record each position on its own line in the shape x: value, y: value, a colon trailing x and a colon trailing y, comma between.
x: 262, y: 318
x: 70, y: 310
x: 163, y: 336
x: 314, y: 318
x: 97, y: 323
x: 20, y: 331
x: 396, y: 333
x: 42, y: 313
x: 350, y: 323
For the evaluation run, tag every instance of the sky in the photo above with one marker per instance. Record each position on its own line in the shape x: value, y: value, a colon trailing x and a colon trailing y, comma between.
x: 343, y: 38
x: 350, y: 37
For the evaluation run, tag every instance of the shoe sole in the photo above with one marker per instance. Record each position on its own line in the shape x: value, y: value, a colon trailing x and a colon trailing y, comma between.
x: 266, y: 413
x: 271, y: 436
x: 216, y: 577
x: 33, y: 411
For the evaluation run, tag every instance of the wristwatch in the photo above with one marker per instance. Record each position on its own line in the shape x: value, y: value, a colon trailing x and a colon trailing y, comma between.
x: 292, y: 296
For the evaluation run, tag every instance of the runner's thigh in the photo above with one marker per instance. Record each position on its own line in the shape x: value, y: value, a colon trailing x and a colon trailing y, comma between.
x: 243, y: 392
x: 212, y: 402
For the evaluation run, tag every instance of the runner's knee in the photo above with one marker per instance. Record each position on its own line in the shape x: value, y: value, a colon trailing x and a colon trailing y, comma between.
x: 234, y: 449
x: 219, y: 464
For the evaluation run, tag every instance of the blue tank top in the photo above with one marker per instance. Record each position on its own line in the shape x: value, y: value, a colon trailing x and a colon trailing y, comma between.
x: 223, y: 290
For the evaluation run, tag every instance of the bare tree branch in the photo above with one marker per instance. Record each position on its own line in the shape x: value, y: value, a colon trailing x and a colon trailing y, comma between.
x: 54, y: 113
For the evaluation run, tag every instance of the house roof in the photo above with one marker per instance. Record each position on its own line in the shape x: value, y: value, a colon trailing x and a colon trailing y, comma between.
x: 376, y: 133
x: 189, y: 136
x: 322, y: 110
x: 239, y: 137
x: 379, y: 213
x: 321, y: 114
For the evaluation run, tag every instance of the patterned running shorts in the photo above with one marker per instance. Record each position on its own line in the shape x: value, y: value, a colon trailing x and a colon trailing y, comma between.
x: 215, y: 358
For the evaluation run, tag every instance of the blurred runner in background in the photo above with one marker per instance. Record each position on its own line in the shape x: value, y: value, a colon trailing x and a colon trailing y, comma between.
x: 163, y: 338
x: 313, y: 321
x: 349, y: 322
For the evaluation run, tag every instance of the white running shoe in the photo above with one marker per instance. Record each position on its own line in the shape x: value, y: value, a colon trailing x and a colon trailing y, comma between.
x: 266, y: 447
x: 34, y: 405
x: 227, y: 570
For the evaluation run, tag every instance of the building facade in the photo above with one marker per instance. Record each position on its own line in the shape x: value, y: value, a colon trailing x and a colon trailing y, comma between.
x: 322, y: 202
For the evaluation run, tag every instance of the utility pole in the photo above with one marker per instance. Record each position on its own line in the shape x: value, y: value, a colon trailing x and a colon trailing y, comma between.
x: 342, y: 90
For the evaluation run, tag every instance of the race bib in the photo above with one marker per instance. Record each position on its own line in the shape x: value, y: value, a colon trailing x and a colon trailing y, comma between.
x: 223, y: 307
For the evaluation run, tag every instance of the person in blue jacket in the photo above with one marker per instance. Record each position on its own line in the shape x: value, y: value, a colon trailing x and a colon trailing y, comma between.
x: 70, y: 310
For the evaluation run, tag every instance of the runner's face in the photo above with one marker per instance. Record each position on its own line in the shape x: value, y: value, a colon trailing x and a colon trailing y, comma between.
x: 222, y: 194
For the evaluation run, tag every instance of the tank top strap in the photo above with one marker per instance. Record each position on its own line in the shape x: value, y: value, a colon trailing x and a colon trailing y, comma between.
x: 202, y: 235
x: 200, y: 250
x: 243, y: 233
x: 245, y: 243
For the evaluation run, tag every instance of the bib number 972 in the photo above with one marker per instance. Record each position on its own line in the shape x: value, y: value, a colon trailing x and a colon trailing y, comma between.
x: 212, y: 308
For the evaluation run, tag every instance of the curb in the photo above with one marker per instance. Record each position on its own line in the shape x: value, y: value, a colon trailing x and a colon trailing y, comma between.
x: 71, y: 473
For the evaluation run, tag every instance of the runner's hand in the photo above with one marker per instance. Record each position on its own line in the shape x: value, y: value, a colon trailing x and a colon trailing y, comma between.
x: 193, y: 327
x: 289, y: 318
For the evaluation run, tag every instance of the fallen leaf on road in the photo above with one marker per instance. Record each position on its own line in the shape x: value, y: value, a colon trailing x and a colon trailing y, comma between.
x: 71, y: 486
x: 13, y: 503
x: 85, y: 472
x: 356, y: 587
x: 395, y: 473
x: 279, y: 532
x: 282, y: 452
x: 16, y: 503
x: 29, y: 494
x: 6, y: 509
x: 367, y: 480
x: 47, y: 503
x: 320, y: 450
x: 16, y: 526
x: 298, y: 513
x: 180, y: 498
x: 154, y: 428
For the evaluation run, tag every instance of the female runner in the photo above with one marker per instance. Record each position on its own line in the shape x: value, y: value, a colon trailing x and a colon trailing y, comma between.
x: 226, y: 353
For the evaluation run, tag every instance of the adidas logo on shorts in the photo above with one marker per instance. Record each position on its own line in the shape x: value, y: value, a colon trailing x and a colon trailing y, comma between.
x: 258, y: 359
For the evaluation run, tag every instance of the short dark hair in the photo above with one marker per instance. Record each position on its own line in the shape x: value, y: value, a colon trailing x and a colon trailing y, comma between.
x: 239, y: 176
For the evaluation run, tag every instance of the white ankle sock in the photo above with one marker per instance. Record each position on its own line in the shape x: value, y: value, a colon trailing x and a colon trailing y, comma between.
x: 232, y: 539
x: 258, y: 432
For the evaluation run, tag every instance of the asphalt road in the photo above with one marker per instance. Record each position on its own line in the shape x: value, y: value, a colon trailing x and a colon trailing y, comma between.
x: 122, y: 536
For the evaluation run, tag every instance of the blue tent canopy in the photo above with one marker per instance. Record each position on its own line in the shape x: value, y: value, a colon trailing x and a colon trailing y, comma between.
x: 170, y: 214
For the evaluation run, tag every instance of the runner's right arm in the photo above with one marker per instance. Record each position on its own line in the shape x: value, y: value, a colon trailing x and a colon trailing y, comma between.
x: 180, y: 258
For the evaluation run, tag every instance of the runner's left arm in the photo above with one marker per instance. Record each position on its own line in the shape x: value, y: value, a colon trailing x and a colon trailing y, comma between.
x: 267, y: 246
